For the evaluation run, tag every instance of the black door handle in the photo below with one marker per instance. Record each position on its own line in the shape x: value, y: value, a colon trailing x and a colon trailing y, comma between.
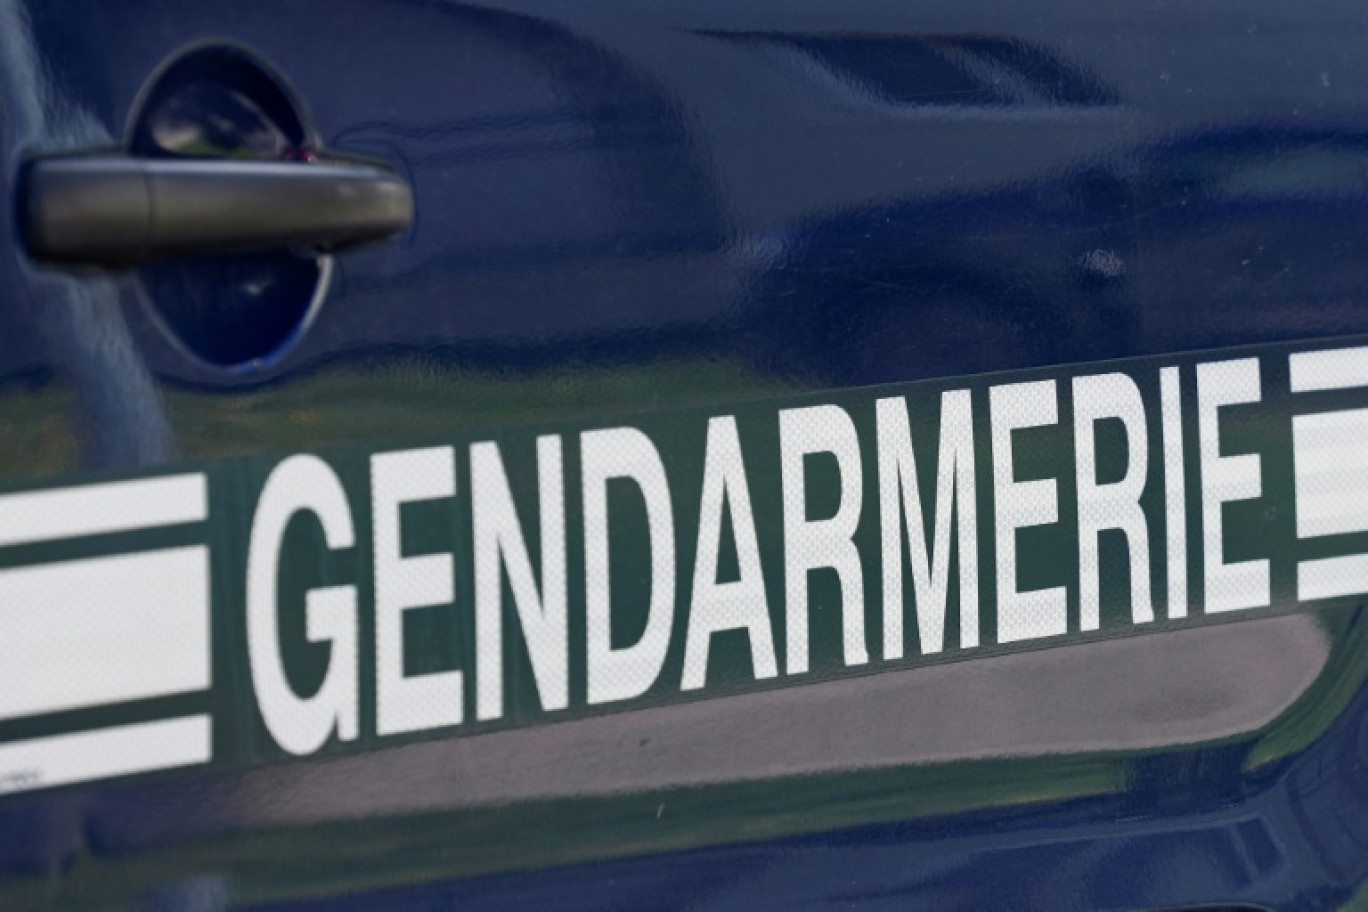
x: 112, y: 211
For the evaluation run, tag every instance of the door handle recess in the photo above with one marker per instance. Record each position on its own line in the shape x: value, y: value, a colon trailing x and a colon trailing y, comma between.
x: 117, y: 211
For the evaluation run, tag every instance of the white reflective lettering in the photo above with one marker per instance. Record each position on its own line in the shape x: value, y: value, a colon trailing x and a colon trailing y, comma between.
x: 930, y: 563
x: 1020, y: 504
x: 814, y: 544
x: 741, y: 603
x: 1175, y: 492
x: 406, y: 703
x: 1115, y: 505
x: 1244, y: 584
x: 625, y: 672
x: 499, y: 542
x: 301, y: 725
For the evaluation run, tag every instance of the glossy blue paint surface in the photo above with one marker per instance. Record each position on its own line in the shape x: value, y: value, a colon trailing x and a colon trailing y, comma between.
x: 627, y: 206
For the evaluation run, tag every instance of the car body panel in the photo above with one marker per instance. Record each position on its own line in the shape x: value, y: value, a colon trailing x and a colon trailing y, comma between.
x: 637, y: 210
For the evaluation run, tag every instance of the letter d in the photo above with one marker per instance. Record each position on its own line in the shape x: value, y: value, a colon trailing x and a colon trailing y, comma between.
x: 629, y: 671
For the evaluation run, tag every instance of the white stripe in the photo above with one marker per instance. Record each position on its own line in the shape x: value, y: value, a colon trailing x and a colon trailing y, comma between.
x: 1342, y: 368
x: 106, y: 630
x: 1331, y: 577
x: 1330, y: 457
x: 117, y: 506
x: 1175, y: 493
x: 1326, y: 459
x: 1334, y: 514
x: 103, y: 753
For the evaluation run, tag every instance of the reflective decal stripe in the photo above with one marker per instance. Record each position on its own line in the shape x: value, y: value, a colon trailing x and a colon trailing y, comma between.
x: 118, y: 506
x: 1340, y: 368
x: 1331, y: 577
x: 105, y: 630
x: 79, y: 632
x: 104, y: 753
x: 322, y: 603
x: 1331, y: 456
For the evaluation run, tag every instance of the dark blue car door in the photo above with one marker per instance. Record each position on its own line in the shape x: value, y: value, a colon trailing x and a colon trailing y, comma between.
x: 618, y: 455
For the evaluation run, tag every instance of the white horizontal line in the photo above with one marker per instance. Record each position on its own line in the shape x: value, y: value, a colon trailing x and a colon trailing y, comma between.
x: 1341, y: 368
x: 104, y: 630
x: 104, y: 753
x: 1331, y: 462
x: 1330, y: 468
x: 116, y: 506
x: 1331, y: 577
x: 1332, y: 514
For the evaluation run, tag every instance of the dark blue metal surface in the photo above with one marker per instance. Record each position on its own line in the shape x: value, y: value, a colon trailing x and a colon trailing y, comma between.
x: 628, y: 205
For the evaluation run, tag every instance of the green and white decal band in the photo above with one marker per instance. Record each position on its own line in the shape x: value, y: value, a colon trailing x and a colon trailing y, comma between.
x: 265, y: 607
